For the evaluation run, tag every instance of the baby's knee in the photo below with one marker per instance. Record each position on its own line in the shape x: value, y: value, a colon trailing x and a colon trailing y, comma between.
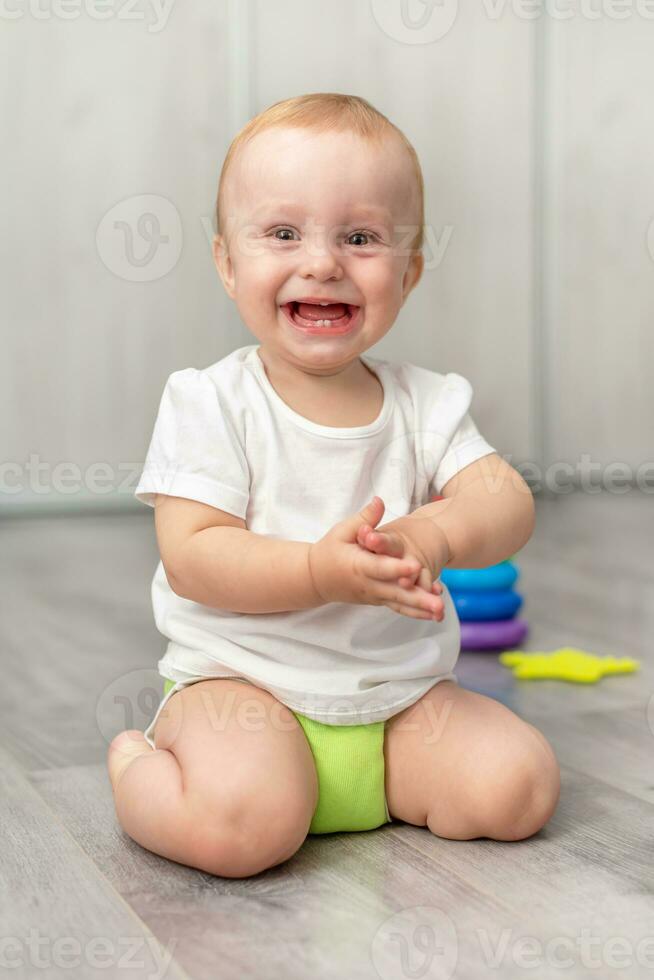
x: 248, y: 836
x: 524, y: 793
x: 230, y: 852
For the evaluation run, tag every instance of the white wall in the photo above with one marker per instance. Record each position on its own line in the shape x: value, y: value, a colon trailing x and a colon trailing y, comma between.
x: 465, y: 103
x: 99, y: 112
x: 599, y: 271
x: 509, y: 116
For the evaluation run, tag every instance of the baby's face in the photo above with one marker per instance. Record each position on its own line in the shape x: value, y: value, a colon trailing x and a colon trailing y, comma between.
x: 313, y: 216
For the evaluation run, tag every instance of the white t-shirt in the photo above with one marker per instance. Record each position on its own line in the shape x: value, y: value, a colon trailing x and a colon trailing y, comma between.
x: 225, y: 437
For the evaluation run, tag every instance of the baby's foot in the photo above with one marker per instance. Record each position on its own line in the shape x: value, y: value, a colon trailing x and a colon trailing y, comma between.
x: 124, y: 748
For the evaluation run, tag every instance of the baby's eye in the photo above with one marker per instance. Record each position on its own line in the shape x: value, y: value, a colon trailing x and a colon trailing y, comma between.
x: 283, y: 230
x: 360, y: 235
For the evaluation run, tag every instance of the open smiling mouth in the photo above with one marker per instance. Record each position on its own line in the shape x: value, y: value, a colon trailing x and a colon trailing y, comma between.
x: 318, y: 318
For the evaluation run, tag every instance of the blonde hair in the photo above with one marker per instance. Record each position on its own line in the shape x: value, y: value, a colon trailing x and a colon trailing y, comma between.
x: 324, y: 112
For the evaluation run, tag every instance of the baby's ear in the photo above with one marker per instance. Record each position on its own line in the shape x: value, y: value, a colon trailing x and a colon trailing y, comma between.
x: 217, y: 247
x: 413, y: 273
x: 223, y: 263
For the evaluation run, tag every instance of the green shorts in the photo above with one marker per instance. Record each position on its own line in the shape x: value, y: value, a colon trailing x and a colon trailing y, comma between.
x: 349, y: 761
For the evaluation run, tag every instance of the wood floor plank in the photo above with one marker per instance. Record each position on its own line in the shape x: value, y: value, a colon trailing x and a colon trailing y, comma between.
x: 330, y: 909
x: 585, y: 876
x: 616, y: 748
x: 535, y: 699
x: 78, y: 629
x: 76, y: 615
x: 60, y: 915
x: 324, y: 913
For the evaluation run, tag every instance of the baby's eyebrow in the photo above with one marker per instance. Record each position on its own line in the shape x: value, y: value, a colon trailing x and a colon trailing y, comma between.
x: 272, y: 205
x: 358, y: 212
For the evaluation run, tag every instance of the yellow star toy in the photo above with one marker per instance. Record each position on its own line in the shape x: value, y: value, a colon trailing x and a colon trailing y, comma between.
x: 566, y: 664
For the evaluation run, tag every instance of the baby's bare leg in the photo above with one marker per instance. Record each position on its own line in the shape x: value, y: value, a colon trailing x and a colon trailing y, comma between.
x: 466, y: 766
x: 231, y: 788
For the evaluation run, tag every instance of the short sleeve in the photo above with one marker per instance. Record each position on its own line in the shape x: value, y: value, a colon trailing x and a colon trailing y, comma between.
x: 467, y: 446
x: 195, y: 450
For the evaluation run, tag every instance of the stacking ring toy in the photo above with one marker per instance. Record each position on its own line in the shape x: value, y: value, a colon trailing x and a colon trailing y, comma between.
x: 493, y: 635
x: 500, y: 576
x: 496, y: 604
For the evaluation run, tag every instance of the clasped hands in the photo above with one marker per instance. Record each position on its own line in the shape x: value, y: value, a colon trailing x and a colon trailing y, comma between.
x: 412, y: 539
x: 394, y: 565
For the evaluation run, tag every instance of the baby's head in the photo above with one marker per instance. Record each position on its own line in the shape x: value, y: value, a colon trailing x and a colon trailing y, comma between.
x: 320, y: 198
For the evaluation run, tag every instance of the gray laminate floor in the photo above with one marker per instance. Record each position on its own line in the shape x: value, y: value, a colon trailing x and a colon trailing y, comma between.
x: 80, y: 899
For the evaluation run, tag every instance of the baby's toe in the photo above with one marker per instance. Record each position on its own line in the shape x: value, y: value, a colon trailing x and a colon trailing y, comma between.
x: 124, y: 748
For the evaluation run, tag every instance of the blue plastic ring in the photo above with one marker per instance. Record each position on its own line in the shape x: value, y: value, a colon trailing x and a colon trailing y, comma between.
x: 501, y: 576
x: 473, y: 607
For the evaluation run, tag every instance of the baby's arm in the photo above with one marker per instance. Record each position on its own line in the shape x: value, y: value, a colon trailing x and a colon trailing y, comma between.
x: 210, y: 557
x: 487, y: 515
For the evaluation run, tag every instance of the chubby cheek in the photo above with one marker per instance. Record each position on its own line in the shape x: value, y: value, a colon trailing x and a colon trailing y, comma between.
x: 381, y: 284
x: 258, y: 282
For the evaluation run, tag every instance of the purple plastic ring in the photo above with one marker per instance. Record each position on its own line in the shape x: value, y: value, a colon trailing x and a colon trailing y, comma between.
x: 493, y: 634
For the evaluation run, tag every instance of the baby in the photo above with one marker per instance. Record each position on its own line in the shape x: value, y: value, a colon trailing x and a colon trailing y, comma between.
x: 309, y: 683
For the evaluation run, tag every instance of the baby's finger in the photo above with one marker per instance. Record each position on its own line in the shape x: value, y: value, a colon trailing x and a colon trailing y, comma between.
x: 361, y: 534
x: 426, y: 599
x: 408, y: 602
x: 413, y: 598
x: 408, y: 581
x: 414, y: 612
x: 384, y: 543
x: 385, y: 568
x: 422, y: 580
